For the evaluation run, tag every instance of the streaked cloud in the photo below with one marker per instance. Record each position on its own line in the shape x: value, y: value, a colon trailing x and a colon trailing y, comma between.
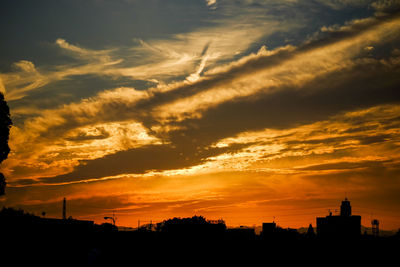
x: 260, y: 75
x: 354, y: 135
x: 256, y: 109
x: 212, y: 3
x: 155, y: 60
x: 304, y: 64
x: 58, y: 139
x: 386, y: 5
x: 23, y: 79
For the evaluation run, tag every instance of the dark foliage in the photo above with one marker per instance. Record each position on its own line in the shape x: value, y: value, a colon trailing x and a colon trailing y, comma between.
x: 5, y: 125
x: 186, y: 225
x: 2, y: 184
x: 195, y: 231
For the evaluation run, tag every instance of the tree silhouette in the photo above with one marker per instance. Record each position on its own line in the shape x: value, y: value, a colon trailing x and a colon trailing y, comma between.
x: 5, y: 125
x: 195, y: 229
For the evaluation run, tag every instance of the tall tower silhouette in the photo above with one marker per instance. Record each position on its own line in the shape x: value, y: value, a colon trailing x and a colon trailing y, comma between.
x: 375, y: 227
x: 345, y: 208
x: 64, y: 215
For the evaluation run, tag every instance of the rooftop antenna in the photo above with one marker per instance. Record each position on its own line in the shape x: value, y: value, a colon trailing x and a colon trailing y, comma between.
x: 113, y: 219
x: 64, y: 212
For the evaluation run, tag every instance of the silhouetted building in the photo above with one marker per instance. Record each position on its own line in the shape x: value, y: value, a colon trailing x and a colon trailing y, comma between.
x: 268, y: 228
x: 345, y: 208
x: 241, y: 233
x: 310, y: 231
x: 67, y: 225
x: 340, y: 226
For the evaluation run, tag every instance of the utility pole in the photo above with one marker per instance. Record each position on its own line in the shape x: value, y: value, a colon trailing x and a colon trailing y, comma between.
x: 64, y: 212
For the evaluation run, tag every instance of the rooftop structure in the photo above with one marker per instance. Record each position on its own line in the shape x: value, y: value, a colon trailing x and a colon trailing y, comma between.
x: 341, y: 226
x: 268, y: 228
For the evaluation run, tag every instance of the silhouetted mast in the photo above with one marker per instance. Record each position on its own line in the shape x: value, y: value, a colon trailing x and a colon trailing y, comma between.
x: 375, y: 227
x: 64, y: 214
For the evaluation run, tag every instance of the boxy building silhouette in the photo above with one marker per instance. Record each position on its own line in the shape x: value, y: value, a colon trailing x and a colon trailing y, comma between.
x: 343, y: 226
x: 268, y: 229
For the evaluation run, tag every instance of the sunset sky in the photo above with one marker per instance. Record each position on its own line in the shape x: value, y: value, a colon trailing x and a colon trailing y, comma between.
x: 245, y: 110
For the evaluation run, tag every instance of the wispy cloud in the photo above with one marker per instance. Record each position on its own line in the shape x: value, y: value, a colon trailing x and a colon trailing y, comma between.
x: 104, y: 125
x: 231, y: 122
x: 352, y: 134
x: 59, y: 138
x: 292, y: 69
x: 386, y: 5
x: 155, y: 60
x: 26, y: 77
x: 212, y: 3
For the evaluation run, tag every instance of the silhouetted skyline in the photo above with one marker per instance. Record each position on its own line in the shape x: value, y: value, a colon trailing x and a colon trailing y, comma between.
x: 67, y: 241
x: 344, y: 225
